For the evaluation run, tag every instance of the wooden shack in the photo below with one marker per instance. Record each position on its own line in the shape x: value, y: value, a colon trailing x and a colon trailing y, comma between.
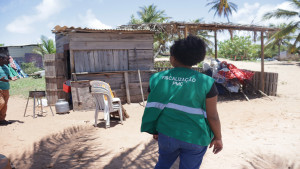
x: 122, y: 58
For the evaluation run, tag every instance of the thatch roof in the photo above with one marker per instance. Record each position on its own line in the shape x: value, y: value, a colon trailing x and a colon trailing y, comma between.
x: 175, y: 27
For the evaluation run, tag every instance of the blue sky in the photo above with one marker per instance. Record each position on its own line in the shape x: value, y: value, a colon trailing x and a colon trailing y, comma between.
x: 24, y: 21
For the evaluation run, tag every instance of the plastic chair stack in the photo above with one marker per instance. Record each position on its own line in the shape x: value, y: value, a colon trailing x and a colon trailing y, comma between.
x: 105, y: 101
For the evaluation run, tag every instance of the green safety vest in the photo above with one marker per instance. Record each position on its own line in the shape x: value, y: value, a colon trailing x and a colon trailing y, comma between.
x: 176, y: 106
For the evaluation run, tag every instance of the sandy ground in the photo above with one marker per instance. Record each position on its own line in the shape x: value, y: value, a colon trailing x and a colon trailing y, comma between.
x: 261, y: 133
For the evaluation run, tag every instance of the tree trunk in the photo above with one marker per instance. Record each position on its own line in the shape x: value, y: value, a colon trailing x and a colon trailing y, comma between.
x: 279, y: 51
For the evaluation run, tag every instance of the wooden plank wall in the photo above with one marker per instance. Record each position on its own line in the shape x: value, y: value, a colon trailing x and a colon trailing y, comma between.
x: 94, y: 41
x: 96, y: 53
x: 55, y: 76
x: 80, y: 89
x: 100, y: 60
x: 60, y: 41
x: 111, y: 51
x: 140, y: 59
x: 81, y: 96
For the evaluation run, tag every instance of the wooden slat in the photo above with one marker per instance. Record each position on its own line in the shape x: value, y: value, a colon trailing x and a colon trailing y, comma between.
x: 91, y: 61
x: 127, y: 87
x: 98, y: 67
x: 110, y: 45
x: 72, y: 61
x: 136, y: 85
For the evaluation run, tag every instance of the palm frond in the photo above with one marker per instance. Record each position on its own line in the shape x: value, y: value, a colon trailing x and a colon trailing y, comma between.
x: 280, y: 13
x: 297, y: 40
x: 295, y: 3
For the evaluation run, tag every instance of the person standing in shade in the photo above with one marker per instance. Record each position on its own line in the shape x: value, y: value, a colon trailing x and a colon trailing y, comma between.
x: 181, y: 110
x: 5, y: 76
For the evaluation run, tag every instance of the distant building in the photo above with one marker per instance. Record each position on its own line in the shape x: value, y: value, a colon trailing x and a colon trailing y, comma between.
x: 24, y: 53
x: 284, y: 55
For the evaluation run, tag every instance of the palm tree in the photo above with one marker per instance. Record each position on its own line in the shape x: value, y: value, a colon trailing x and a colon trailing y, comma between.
x: 222, y: 7
x: 275, y: 40
x: 46, y: 47
x: 149, y: 14
x: 291, y: 27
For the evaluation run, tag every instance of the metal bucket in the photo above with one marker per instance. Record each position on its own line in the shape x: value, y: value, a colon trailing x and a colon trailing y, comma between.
x: 62, y: 106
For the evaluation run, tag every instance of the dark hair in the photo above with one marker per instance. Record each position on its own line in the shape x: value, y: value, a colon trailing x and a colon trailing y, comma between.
x: 189, y: 51
x: 3, y: 56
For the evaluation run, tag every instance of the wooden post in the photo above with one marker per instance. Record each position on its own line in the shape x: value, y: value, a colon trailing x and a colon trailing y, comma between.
x: 141, y: 87
x: 186, y: 31
x: 216, y: 45
x: 127, y: 87
x: 72, y: 61
x: 262, y: 76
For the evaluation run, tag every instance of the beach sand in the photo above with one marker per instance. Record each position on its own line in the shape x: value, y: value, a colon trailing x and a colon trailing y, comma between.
x: 260, y: 133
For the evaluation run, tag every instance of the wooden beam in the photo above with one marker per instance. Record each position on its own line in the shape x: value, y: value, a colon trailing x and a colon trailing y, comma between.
x: 111, y: 45
x: 216, y: 44
x: 72, y: 62
x: 262, y: 75
x: 141, y: 87
x: 186, y: 31
x: 127, y: 87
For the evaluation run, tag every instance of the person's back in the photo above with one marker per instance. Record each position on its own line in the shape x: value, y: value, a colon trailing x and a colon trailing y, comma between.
x: 181, y: 106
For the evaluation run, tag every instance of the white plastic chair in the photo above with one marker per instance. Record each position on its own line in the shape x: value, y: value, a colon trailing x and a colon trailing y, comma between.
x: 104, y: 101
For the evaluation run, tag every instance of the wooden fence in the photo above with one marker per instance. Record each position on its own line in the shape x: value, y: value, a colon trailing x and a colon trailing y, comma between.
x: 159, y: 69
x: 271, y: 80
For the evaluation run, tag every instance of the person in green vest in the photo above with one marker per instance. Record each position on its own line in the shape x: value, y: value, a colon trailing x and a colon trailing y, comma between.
x: 181, y: 111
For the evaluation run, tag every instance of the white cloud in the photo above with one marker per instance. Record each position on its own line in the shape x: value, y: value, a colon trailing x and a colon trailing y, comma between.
x: 24, y: 23
x: 89, y: 20
x: 253, y: 13
x: 48, y: 8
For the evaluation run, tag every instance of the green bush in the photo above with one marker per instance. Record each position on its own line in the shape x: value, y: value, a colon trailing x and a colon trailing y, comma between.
x: 239, y: 48
x: 162, y: 64
x: 29, y: 68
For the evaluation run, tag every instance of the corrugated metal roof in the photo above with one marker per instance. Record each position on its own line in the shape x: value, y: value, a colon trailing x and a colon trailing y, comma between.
x: 59, y: 29
x: 20, y: 45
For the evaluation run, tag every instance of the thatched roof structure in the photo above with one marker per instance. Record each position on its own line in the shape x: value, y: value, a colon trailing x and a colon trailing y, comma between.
x: 175, y: 27
x: 185, y: 28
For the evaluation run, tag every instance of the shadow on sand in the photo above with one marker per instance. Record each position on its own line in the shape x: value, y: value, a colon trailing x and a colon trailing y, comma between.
x: 145, y: 159
x: 269, y: 161
x: 72, y: 148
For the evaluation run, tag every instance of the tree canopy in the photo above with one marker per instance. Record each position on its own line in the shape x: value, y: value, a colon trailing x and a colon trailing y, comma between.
x: 47, y: 46
x: 290, y: 28
x: 222, y: 7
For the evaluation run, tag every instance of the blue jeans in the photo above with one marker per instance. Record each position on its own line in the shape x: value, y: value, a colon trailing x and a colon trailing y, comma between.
x: 190, y: 155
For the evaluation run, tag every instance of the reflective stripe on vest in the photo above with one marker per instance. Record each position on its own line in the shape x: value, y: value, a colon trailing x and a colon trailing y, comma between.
x: 182, y: 108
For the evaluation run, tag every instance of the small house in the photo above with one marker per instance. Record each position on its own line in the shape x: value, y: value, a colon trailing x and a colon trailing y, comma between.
x: 122, y: 58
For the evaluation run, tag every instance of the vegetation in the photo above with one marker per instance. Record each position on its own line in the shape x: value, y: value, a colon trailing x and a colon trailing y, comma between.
x: 46, y: 47
x: 278, y: 42
x: 21, y: 87
x: 150, y: 14
x: 203, y: 34
x: 222, y: 7
x: 29, y: 68
x: 1, y: 44
x: 162, y: 64
x: 290, y: 28
x: 239, y: 48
